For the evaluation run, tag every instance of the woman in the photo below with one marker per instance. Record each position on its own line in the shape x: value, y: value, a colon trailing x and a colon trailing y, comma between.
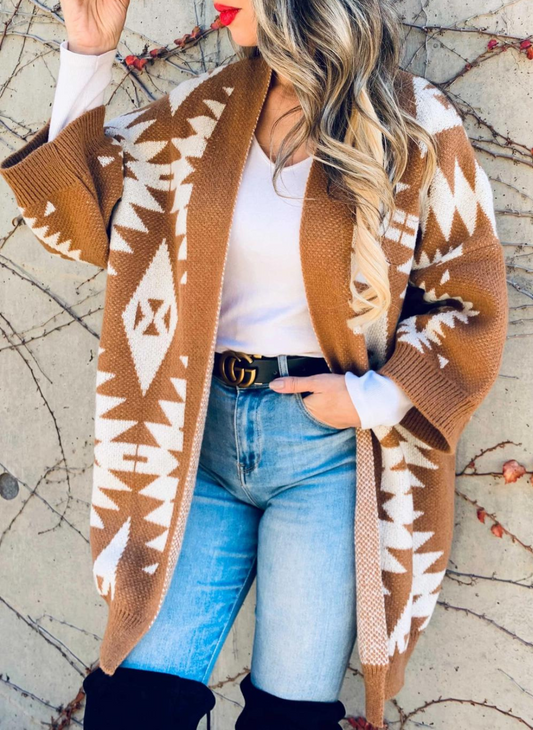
x: 226, y: 302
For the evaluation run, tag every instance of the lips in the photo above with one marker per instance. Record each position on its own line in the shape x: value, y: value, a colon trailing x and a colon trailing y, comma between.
x: 227, y: 13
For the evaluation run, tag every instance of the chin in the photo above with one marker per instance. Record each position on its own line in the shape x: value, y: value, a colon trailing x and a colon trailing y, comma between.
x: 243, y: 38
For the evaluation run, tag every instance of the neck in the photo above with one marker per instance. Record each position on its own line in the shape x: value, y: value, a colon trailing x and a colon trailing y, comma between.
x: 283, y: 85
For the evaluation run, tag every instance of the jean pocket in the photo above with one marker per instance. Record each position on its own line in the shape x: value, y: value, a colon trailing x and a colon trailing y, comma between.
x: 301, y: 402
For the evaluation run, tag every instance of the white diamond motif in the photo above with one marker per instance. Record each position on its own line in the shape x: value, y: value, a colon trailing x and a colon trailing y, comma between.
x: 151, y: 317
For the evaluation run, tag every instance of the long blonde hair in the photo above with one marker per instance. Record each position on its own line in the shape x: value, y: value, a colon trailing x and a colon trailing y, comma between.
x: 342, y: 57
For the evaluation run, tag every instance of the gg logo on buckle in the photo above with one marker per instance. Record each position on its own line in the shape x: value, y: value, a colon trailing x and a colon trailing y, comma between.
x: 235, y: 375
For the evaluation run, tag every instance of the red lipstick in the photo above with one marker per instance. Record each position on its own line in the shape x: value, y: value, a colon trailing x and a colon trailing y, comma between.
x: 227, y: 13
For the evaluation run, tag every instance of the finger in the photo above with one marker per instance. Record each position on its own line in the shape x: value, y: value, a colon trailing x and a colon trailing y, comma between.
x: 293, y: 384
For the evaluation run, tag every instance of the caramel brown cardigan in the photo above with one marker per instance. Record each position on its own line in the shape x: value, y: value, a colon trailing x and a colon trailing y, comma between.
x: 150, y: 196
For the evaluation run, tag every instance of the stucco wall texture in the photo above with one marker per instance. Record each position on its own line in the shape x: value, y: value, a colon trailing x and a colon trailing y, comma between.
x: 473, y: 668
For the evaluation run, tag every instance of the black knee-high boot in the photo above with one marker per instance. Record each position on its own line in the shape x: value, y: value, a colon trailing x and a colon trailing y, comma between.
x: 264, y: 711
x: 138, y: 699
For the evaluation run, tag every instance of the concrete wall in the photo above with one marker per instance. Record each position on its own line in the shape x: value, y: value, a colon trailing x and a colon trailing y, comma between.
x: 474, y: 667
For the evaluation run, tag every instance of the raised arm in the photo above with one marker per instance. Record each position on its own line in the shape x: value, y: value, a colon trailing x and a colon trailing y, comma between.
x: 68, y: 178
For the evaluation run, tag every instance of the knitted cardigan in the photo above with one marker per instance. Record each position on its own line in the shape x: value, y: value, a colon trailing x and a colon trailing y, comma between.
x: 149, y: 196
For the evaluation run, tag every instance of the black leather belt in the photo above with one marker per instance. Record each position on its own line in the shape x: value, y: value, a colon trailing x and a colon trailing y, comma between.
x: 242, y: 370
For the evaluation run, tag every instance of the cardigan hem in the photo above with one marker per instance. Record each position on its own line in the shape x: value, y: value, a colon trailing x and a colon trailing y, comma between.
x: 383, y: 682
x: 122, y: 632
x: 395, y: 678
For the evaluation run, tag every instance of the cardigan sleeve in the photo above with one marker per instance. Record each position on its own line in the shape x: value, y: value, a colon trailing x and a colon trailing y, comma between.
x: 66, y: 189
x: 450, y: 336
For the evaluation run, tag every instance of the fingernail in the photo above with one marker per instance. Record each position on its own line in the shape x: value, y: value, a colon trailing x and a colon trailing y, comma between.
x: 277, y: 384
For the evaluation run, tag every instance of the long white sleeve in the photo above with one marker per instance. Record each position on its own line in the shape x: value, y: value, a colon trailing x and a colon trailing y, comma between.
x: 81, y: 84
x: 377, y: 399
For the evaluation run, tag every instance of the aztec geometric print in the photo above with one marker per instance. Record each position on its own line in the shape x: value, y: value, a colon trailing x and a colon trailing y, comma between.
x: 433, y: 331
x: 190, y: 148
x: 150, y: 319
x: 399, y: 231
x: 445, y: 202
x: 401, y: 450
x: 50, y: 240
x: 145, y: 174
x: 405, y: 457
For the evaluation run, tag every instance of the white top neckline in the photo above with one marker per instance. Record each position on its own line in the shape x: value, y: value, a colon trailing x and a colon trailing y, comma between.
x: 266, y: 158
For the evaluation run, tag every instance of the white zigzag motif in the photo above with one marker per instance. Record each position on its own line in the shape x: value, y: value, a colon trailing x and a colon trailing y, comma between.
x: 192, y: 146
x: 105, y: 160
x: 109, y: 455
x: 159, y: 461
x: 106, y: 564
x: 425, y: 583
x: 52, y: 241
x: 147, y: 174
x: 446, y: 201
x: 395, y: 535
x: 151, y: 316
x: 434, y: 331
x: 431, y: 113
x: 112, y: 457
x: 399, y: 636
x: 402, y: 228
x: 425, y: 587
x: 179, y: 93
x: 438, y: 258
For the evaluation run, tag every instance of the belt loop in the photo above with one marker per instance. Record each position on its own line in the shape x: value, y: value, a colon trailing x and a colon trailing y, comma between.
x: 283, y: 365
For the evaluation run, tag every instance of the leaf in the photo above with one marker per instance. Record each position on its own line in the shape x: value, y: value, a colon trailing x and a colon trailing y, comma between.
x: 497, y: 529
x: 481, y: 514
x: 512, y: 471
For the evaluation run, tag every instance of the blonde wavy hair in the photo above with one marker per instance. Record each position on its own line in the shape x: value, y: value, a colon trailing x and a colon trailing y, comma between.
x: 342, y: 57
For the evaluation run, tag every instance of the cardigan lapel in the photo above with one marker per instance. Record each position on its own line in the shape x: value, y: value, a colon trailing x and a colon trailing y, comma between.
x: 215, y: 184
x: 325, y: 250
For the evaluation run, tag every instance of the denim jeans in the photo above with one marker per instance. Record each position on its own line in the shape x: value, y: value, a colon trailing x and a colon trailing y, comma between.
x: 274, y: 500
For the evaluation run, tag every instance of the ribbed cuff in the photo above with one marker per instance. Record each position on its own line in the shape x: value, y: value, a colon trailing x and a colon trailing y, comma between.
x: 442, y: 408
x: 40, y: 168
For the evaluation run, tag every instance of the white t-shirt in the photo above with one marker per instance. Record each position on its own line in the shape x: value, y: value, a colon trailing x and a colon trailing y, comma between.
x: 264, y: 307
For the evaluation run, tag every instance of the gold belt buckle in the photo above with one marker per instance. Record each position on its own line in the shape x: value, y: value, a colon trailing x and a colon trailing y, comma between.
x: 233, y: 374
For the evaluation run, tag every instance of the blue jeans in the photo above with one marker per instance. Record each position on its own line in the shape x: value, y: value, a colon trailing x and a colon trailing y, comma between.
x: 274, y: 499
